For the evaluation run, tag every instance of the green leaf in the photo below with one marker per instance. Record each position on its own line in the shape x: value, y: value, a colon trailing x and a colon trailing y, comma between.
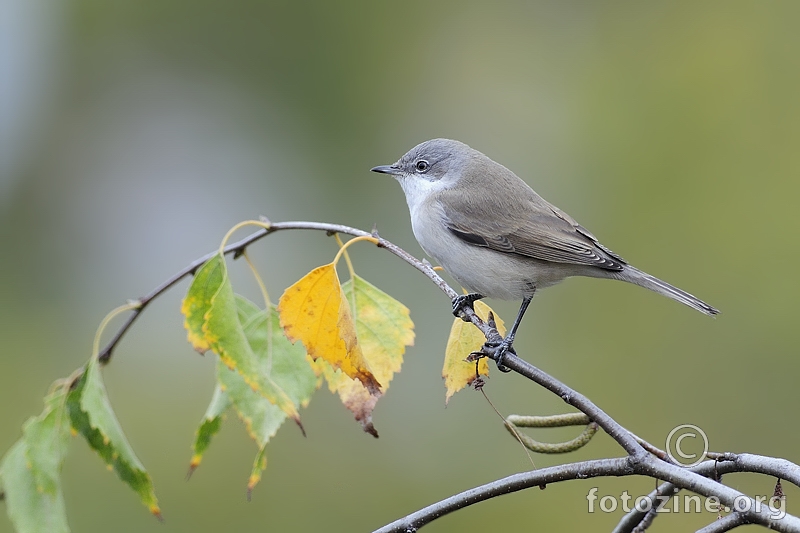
x: 259, y: 465
x: 212, y: 321
x: 30, y: 510
x: 48, y: 437
x: 31, y: 469
x: 92, y: 416
x: 283, y: 362
x: 210, y: 426
x: 280, y: 361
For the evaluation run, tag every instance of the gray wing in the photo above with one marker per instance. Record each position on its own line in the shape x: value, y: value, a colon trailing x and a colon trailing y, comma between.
x: 530, y: 227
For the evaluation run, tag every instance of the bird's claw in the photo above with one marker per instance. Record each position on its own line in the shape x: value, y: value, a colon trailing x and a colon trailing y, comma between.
x: 465, y: 301
x: 495, y: 350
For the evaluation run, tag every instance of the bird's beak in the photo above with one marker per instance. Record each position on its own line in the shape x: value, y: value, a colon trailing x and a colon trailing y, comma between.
x: 394, y: 170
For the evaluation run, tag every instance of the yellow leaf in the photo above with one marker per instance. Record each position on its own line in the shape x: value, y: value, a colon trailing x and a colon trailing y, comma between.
x: 314, y: 310
x: 464, y: 339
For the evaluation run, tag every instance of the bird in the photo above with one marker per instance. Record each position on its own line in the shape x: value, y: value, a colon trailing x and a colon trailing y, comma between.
x: 497, y: 237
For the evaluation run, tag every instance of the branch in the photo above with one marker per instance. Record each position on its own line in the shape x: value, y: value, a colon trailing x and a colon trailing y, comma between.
x: 760, y: 464
x: 580, y: 402
x: 723, y: 464
x: 239, y: 247
x: 536, y: 478
x: 643, y: 459
x: 725, y: 524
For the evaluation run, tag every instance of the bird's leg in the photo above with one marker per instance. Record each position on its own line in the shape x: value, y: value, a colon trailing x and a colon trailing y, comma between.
x: 504, y: 346
x: 465, y: 300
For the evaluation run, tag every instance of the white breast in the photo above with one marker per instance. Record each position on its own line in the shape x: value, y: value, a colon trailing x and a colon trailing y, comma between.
x: 488, y: 272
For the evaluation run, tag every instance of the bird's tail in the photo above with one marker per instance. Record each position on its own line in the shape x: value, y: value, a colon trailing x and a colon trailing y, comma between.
x: 643, y: 279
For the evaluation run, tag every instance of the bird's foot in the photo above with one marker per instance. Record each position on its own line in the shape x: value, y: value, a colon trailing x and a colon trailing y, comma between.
x: 499, y: 351
x: 496, y: 350
x: 465, y: 301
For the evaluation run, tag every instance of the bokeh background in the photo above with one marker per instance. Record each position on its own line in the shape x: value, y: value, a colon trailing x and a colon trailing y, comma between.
x: 134, y: 134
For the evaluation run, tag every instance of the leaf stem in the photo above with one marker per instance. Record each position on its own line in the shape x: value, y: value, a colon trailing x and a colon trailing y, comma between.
x: 104, y: 323
x: 346, y: 256
x: 257, y: 223
x: 345, y: 246
x: 259, y: 280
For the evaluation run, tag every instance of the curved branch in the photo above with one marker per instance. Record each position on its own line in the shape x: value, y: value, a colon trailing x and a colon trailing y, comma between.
x: 513, y: 483
x: 238, y: 247
x: 727, y: 523
x: 759, y: 464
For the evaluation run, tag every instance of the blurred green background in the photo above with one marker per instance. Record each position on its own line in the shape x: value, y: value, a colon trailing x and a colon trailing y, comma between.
x: 134, y: 134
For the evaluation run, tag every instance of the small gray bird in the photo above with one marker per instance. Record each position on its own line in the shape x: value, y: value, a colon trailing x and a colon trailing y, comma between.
x: 497, y: 237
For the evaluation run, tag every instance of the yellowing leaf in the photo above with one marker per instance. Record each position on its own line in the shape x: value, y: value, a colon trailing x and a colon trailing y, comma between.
x: 464, y: 339
x: 314, y: 311
x: 383, y: 325
x: 384, y: 330
x: 206, y: 284
x: 212, y: 321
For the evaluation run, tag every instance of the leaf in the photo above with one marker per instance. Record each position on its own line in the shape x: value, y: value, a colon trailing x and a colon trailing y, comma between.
x: 464, y: 339
x: 384, y: 329
x: 314, y: 311
x: 220, y: 329
x: 92, y: 416
x: 30, y: 510
x: 285, y: 363
x: 210, y: 426
x: 48, y: 437
x: 259, y: 465
x: 276, y: 358
x: 31, y: 469
x: 205, y: 285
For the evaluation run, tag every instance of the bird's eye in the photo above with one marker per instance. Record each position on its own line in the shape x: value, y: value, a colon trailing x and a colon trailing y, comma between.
x: 421, y: 165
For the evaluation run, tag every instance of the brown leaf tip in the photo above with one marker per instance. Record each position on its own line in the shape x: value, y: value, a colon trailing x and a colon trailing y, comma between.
x: 369, y: 428
x: 157, y: 513
x: 371, y: 384
x: 300, y: 425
